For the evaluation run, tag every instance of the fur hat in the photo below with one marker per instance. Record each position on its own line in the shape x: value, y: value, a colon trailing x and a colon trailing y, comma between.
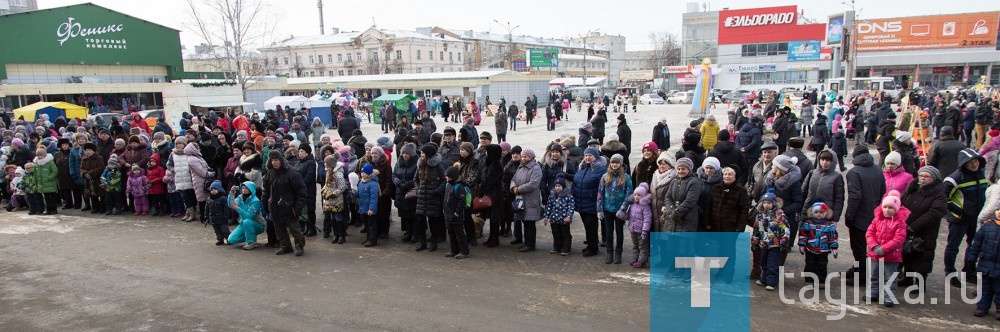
x: 429, y: 149
x: 796, y: 142
x: 305, y: 147
x: 784, y: 162
x: 516, y: 149
x: 409, y: 149
x: 685, y: 162
x: 135, y: 139
x: 891, y: 199
x: 664, y: 156
x: 90, y: 146
x: 894, y: 158
x: 933, y: 171
x: 449, y: 131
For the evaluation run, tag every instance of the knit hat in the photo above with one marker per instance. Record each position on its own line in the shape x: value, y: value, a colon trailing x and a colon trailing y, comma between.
x: 621, y: 116
x: 505, y: 146
x: 528, y: 152
x: 330, y: 160
x: 114, y: 160
x: 378, y: 150
x: 159, y: 135
x: 588, y: 126
x: 452, y: 173
x: 933, y: 171
x: 685, y: 162
x: 860, y: 149
x: 468, y: 147
x: 891, y: 199
x: 650, y: 146
x: 560, y: 181
x: 994, y: 133
x: 408, y: 149
x: 429, y: 150
x: 592, y: 151
x: 295, y: 143
x: 819, y: 209
x: 486, y: 135
x: 382, y: 140
x: 784, y: 162
x: 712, y: 162
x: 766, y: 145
x: 611, y: 137
x: 369, y: 145
x: 357, y: 132
x: 344, y: 154
x: 723, y: 135
x: 617, y: 158
x: 641, y: 190
x: 894, y: 158
x: 17, y: 143
x: 903, y: 136
x: 664, y: 156
x: 305, y: 147
x: 769, y: 196
x: 796, y: 142
x: 367, y: 169
x: 946, y: 131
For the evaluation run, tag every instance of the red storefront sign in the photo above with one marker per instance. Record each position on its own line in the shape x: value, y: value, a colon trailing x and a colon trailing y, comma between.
x: 940, y: 70
x: 898, y: 71
x: 766, y: 25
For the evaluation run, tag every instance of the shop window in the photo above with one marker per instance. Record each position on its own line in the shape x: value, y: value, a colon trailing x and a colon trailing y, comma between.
x: 782, y: 48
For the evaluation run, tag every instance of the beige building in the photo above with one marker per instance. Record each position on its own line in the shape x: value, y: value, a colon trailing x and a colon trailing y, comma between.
x: 486, y: 50
x: 372, y: 51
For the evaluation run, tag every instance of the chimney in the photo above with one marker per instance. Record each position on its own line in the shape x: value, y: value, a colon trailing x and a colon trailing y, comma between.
x: 319, y: 3
x: 335, y: 30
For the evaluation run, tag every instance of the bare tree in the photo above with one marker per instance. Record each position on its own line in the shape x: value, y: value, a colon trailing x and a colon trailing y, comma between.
x: 232, y: 29
x: 666, y: 50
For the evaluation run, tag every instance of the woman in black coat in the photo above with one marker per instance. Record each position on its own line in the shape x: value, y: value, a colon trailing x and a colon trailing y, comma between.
x: 925, y: 197
x: 403, y: 175
x: 430, y: 184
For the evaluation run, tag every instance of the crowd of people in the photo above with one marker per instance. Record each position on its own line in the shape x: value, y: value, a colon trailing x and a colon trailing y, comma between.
x: 279, y: 173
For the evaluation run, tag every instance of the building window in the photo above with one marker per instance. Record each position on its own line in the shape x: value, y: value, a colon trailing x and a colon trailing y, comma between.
x: 361, y: 72
x: 399, y: 70
x: 766, y: 49
x: 459, y: 57
x: 418, y: 56
x: 374, y: 56
x: 419, y: 69
x: 441, y: 56
x: 340, y: 58
x: 329, y: 58
x: 399, y: 55
x: 340, y: 72
x: 451, y: 57
x: 358, y: 56
x: 286, y: 60
x: 311, y: 60
x: 350, y: 72
x: 329, y: 73
x: 430, y: 55
x: 298, y: 60
x: 432, y: 69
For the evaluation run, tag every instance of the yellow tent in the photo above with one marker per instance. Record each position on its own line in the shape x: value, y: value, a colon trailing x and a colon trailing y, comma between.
x: 53, y: 109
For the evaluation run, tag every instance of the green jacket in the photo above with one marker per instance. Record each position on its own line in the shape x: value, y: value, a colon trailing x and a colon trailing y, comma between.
x: 47, y: 175
x: 29, y: 183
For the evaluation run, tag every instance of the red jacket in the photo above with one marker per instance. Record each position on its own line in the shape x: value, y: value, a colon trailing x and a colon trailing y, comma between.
x: 139, y: 122
x: 223, y: 123
x: 155, y: 176
x: 241, y: 123
x: 889, y: 233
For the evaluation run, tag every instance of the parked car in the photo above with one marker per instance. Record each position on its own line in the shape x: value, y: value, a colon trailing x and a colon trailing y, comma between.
x: 105, y: 117
x: 649, y: 99
x: 151, y: 116
x: 681, y: 98
x: 735, y: 96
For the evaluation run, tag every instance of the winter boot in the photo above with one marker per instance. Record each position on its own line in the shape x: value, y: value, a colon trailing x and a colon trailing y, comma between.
x: 618, y: 256
x: 189, y: 215
x: 610, y: 257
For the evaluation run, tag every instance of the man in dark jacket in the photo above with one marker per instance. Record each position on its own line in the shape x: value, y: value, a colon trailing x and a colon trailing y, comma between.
x: 625, y: 135
x: 162, y: 127
x: 966, y: 190
x: 661, y: 135
x: 952, y: 115
x: 749, y: 140
x: 449, y: 151
x: 600, y: 120
x: 347, y: 125
x: 307, y: 169
x: 865, y: 188
x: 795, y: 145
x: 782, y: 127
x: 729, y: 156
x: 283, y: 199
x: 942, y: 154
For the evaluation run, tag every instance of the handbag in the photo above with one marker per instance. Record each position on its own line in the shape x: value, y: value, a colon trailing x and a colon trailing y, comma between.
x: 913, y: 244
x: 518, y: 204
x: 482, y: 203
x: 411, y: 195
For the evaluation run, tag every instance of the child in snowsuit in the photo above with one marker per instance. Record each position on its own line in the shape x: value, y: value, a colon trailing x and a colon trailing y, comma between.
x: 29, y: 185
x: 771, y: 235
x: 111, y: 181
x: 885, y: 238
x: 640, y: 221
x: 368, y: 192
x: 817, y: 239
x: 559, y: 213
x: 137, y: 187
x: 17, y: 198
x: 985, y: 251
x: 218, y: 212
x: 174, y: 199
x: 251, y: 224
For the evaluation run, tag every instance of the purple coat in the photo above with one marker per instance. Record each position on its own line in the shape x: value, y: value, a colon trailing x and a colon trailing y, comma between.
x: 200, y: 172
x: 136, y: 184
x: 640, y: 215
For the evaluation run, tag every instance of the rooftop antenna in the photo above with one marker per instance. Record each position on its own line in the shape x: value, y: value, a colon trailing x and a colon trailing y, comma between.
x: 373, y: 21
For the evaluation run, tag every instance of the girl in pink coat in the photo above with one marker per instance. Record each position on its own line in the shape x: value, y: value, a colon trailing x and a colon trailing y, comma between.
x: 896, y: 177
x: 885, y: 238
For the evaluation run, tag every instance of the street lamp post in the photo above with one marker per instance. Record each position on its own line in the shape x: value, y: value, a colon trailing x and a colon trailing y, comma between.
x: 510, y: 43
x: 585, y: 53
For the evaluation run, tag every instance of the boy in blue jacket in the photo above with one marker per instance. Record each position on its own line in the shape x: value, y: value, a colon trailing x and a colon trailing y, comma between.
x: 455, y: 212
x: 985, y: 250
x: 368, y: 193
x: 817, y: 239
x: 218, y: 212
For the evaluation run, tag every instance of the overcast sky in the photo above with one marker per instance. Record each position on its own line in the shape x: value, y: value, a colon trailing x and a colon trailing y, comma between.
x: 632, y: 19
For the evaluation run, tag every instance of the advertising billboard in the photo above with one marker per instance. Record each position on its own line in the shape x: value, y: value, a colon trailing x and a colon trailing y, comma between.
x: 543, y: 57
x: 927, y: 32
x: 675, y: 69
x: 765, y: 25
x: 87, y: 34
x: 835, y: 30
x: 636, y: 75
x: 804, y: 50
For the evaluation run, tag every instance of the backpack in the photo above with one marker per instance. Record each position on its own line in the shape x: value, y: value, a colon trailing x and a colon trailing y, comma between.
x: 468, y: 194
